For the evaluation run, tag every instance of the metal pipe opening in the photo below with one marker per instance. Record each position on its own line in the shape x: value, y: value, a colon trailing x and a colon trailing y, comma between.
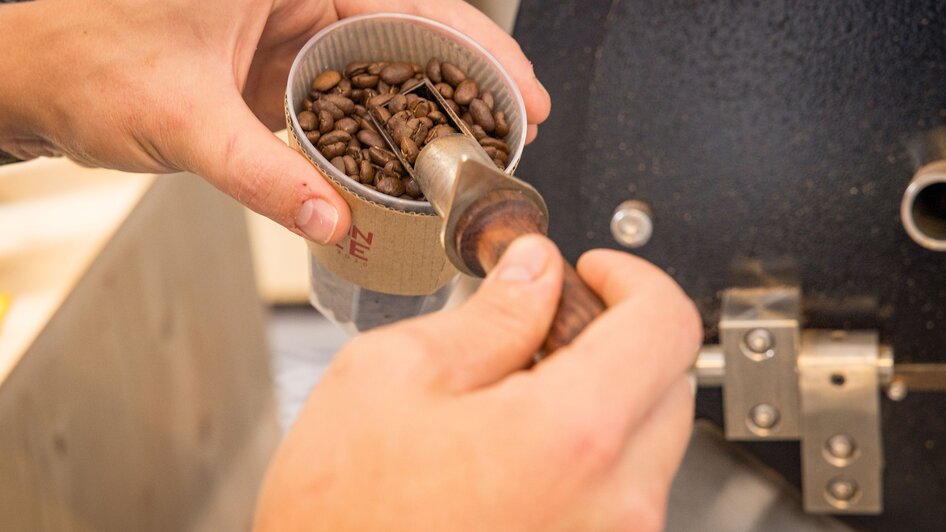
x: 923, y: 209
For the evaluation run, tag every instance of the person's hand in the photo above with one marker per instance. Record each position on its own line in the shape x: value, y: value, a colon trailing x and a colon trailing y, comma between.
x: 150, y: 86
x: 432, y: 424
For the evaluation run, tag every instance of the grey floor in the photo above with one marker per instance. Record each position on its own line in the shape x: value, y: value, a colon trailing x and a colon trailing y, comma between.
x: 718, y: 488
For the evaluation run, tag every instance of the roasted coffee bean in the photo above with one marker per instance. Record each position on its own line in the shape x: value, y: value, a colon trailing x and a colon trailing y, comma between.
x: 411, y: 188
x: 376, y: 68
x: 326, y: 81
x: 494, y: 143
x: 343, y: 88
x: 354, y: 148
x: 482, y: 115
x: 382, y: 114
x: 384, y: 88
x: 380, y: 100
x: 502, y: 127
x: 335, y: 136
x: 433, y: 70
x: 495, y: 154
x: 356, y: 67
x: 478, y: 132
x: 468, y: 118
x: 366, y: 123
x: 351, y: 165
x: 325, y: 105
x: 418, y: 70
x: 371, y: 138
x: 397, y: 73
x: 411, y: 84
x: 345, y: 104
x: 394, y: 168
x: 308, y: 120
x: 313, y: 136
x: 331, y: 151
x: 445, y: 90
x: 361, y: 111
x: 348, y: 125
x: 442, y: 130
x: 466, y: 91
x: 427, y: 122
x: 365, y: 171
x: 380, y: 156
x: 398, y: 103
x: 418, y: 130
x: 437, y: 117
x: 422, y: 109
x: 365, y: 81
x: 487, y: 98
x: 390, y: 185
x: 326, y: 122
x: 358, y: 95
x: 307, y: 104
x: 499, y: 164
x: 452, y: 74
x: 339, y: 162
x: 409, y: 150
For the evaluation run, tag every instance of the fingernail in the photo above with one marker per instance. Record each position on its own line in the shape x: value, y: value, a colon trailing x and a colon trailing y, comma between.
x: 524, y: 261
x: 317, y: 219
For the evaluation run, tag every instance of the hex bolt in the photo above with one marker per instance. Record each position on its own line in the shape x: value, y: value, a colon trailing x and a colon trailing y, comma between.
x: 842, y: 489
x: 759, y: 340
x: 631, y: 224
x: 764, y: 416
x: 841, y: 446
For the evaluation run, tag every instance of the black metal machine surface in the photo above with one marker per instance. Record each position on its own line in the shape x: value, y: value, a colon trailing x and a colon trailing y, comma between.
x: 762, y: 131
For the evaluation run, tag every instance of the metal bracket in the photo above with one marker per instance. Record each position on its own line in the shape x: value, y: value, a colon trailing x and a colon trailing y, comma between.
x: 819, y: 387
x: 841, y: 454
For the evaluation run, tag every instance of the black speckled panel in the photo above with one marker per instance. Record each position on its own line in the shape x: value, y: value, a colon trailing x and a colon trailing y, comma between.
x: 766, y: 130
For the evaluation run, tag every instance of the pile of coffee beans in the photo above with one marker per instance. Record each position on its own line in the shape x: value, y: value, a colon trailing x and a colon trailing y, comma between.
x: 335, y: 118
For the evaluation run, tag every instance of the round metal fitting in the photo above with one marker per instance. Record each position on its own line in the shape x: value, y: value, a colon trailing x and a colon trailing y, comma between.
x: 631, y: 224
x: 923, y: 208
x: 760, y: 342
x: 841, y: 446
x: 763, y: 416
x: 841, y: 491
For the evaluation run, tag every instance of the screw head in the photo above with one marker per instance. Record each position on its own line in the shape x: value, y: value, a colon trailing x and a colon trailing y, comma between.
x: 897, y: 391
x: 842, y: 489
x: 841, y: 446
x: 631, y: 224
x: 759, y: 340
x: 764, y: 416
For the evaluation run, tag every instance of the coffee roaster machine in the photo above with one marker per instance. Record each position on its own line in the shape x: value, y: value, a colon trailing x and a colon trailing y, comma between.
x: 782, y: 161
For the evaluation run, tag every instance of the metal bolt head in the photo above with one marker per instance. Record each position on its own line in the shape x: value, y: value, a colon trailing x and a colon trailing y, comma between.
x: 841, y: 446
x: 631, y: 224
x: 759, y: 340
x: 842, y: 489
x: 764, y: 416
x: 897, y: 391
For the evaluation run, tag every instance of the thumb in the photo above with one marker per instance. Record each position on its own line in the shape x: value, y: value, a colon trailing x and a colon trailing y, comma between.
x: 501, y: 327
x: 247, y: 161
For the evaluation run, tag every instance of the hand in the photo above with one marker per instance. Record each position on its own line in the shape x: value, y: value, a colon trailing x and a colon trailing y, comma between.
x: 149, y: 86
x: 432, y: 424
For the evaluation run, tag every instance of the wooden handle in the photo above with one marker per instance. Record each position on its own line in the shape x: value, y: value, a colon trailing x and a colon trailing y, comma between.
x: 490, y: 225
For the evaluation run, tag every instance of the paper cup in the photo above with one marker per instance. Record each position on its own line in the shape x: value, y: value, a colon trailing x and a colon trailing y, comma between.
x: 391, y: 265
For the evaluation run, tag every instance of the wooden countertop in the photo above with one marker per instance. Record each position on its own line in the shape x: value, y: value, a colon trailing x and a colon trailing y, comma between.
x: 55, y: 217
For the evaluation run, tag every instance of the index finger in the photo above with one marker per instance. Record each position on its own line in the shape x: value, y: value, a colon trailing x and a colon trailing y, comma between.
x: 480, y: 28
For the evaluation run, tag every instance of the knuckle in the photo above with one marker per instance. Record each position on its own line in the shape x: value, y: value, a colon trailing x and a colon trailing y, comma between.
x: 592, y: 445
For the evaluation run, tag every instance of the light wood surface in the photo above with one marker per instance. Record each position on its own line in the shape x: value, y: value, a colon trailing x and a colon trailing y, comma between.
x: 139, y: 396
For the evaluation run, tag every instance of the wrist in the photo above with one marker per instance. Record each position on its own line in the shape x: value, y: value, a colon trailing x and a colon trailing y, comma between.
x: 21, y: 102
